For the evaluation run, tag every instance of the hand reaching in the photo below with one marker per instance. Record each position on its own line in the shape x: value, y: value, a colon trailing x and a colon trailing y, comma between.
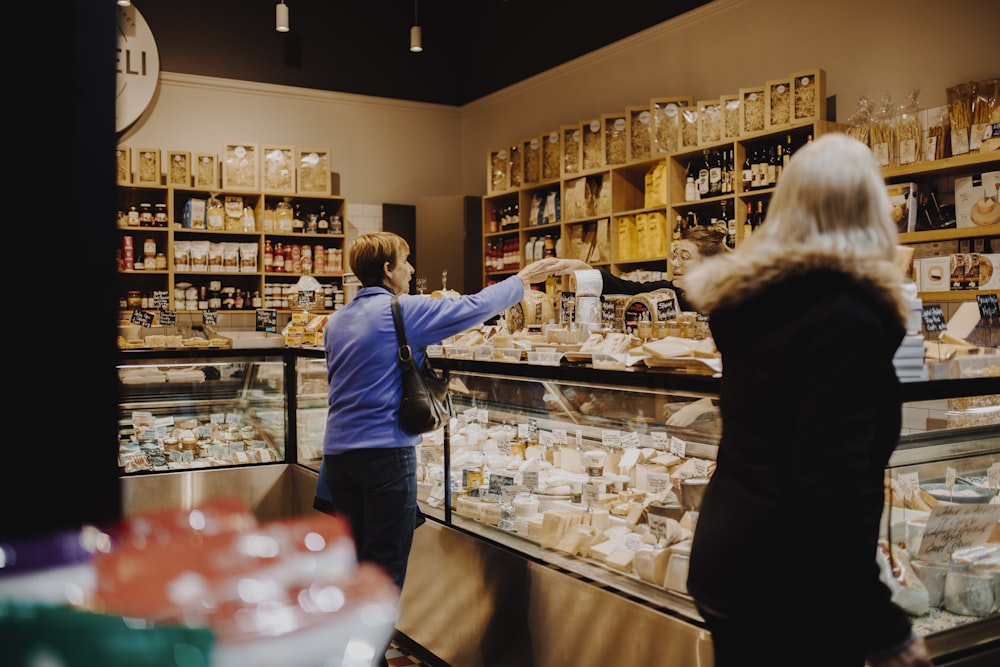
x: 566, y: 265
x: 537, y: 271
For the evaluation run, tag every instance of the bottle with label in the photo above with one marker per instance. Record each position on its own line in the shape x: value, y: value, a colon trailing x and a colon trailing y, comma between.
x: 703, y: 176
x: 268, y: 256
x: 787, y: 154
x: 747, y: 172
x: 298, y: 223
x: 690, y: 190
x: 771, y: 169
x: 714, y: 173
x: 748, y: 222
x: 283, y: 216
x: 322, y: 221
x: 730, y: 224
x: 759, y: 218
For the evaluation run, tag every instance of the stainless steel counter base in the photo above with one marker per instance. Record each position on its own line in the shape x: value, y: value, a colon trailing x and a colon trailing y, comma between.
x: 474, y: 604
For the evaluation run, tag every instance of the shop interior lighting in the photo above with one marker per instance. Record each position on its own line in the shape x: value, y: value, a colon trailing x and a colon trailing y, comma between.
x: 416, y: 45
x: 124, y: 3
x: 281, y: 17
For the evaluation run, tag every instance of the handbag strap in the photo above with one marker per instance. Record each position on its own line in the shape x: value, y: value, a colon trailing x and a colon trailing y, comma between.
x: 404, y: 353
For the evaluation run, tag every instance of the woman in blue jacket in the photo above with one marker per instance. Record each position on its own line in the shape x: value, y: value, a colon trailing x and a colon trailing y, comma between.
x: 369, y: 467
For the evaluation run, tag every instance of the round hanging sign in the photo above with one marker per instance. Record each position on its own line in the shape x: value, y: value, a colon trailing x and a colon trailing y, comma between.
x: 137, y: 68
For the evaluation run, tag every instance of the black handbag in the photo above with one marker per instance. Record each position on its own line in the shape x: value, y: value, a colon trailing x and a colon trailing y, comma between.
x: 425, y: 405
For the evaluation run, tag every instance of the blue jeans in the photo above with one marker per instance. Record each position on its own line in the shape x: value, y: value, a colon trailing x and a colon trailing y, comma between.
x: 376, y: 490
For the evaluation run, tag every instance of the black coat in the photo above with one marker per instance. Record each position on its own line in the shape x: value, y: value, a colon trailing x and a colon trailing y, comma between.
x: 616, y: 285
x: 811, y: 412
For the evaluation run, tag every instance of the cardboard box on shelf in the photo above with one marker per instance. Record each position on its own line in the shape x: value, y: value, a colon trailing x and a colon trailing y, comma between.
x: 977, y: 199
x: 903, y: 197
x: 933, y: 274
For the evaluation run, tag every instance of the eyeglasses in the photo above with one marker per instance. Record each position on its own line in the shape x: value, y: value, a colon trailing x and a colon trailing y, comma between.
x: 685, y: 255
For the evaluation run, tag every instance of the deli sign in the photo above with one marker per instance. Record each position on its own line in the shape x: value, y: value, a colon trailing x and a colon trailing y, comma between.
x: 137, y: 68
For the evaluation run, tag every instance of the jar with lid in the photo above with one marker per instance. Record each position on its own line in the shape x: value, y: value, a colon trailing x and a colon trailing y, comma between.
x: 268, y: 256
x: 336, y: 225
x: 322, y: 221
x: 146, y: 214
x: 283, y: 216
x: 160, y: 215
x: 278, y: 263
x: 161, y: 261
x: 307, y: 260
x: 133, y: 216
x: 134, y: 299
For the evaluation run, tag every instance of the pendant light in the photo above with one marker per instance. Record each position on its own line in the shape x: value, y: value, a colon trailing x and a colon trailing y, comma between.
x: 281, y: 17
x: 124, y: 3
x: 416, y: 44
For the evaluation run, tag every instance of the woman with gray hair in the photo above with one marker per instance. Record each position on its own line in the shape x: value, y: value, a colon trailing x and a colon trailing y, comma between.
x: 807, y: 315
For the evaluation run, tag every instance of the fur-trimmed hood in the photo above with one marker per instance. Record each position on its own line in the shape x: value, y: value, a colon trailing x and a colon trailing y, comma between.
x: 725, y: 280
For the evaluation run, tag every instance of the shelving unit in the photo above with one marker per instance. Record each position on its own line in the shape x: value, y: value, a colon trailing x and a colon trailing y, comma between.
x: 248, y: 277
x: 631, y: 199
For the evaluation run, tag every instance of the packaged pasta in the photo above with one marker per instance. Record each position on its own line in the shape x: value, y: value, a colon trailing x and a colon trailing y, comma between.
x: 909, y: 131
x: 985, y: 114
x: 937, y: 135
x: 959, y: 116
x: 882, y: 132
x: 859, y: 123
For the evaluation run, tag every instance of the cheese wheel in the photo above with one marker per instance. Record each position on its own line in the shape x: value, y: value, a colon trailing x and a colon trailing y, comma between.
x: 535, y: 308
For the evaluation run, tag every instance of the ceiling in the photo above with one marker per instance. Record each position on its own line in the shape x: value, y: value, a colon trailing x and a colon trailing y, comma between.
x: 471, y: 47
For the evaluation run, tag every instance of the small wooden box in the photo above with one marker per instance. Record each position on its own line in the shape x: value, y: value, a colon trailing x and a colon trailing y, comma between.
x: 531, y: 153
x: 808, y: 96
x: 179, y: 168
x: 551, y: 147
x: 497, y: 171
x: 279, y: 169
x: 687, y: 131
x: 709, y: 122
x: 515, y: 161
x: 572, y: 149
x: 206, y: 171
x: 730, y: 105
x: 640, y: 133
x: 313, y: 171
x: 615, y: 129
x: 666, y: 123
x: 147, y: 166
x: 752, y: 110
x: 241, y: 166
x: 123, y: 160
x: 777, y: 103
x: 592, y: 140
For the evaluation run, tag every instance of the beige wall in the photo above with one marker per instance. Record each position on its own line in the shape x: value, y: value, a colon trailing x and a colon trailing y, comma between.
x: 396, y: 152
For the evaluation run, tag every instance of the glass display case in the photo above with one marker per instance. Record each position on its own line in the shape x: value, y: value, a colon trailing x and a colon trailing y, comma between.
x: 598, y: 472
x: 180, y: 410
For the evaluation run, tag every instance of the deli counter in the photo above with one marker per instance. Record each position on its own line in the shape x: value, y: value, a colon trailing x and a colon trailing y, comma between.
x: 560, y: 490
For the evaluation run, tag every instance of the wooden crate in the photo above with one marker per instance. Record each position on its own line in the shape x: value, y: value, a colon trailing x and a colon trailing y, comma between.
x: 640, y: 133
x: 687, y: 128
x: 498, y: 170
x: 572, y: 149
x: 179, y: 168
x: 241, y: 166
x: 730, y: 105
x: 206, y: 171
x: 591, y: 144
x: 515, y: 169
x: 709, y: 122
x: 552, y: 154
x: 666, y: 123
x: 752, y: 110
x: 531, y: 154
x: 313, y: 171
x: 808, y: 96
x: 123, y: 160
x: 777, y: 103
x: 147, y: 166
x: 614, y: 128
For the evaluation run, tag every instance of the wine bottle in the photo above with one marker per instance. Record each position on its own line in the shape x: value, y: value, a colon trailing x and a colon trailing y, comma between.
x: 747, y: 172
x: 714, y: 173
x: 748, y: 222
x: 787, y: 155
x: 759, y: 218
x: 771, y: 172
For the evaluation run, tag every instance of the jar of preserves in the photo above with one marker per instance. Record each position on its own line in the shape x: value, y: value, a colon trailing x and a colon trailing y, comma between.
x: 134, y: 299
x: 160, y: 215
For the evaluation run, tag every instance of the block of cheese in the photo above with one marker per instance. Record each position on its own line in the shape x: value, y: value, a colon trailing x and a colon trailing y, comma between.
x: 598, y: 518
x: 621, y: 559
x: 629, y: 458
x: 650, y: 564
x: 469, y: 507
x: 491, y: 513
x: 555, y: 523
x: 577, y: 540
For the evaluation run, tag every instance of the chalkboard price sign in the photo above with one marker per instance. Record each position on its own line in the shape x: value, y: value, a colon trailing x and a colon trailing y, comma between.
x: 143, y: 318
x: 267, y: 319
x: 988, y: 308
x: 168, y: 318
x: 161, y: 298
x: 210, y: 316
x: 934, y: 318
x: 307, y: 297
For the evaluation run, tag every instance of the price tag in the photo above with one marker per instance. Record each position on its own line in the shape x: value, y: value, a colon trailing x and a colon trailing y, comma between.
x: 267, y: 319
x: 590, y: 494
x: 657, y: 481
x: 497, y: 485
x: 630, y: 440
x: 161, y: 298
x: 559, y: 437
x: 659, y: 439
x: 210, y: 317
x: 530, y: 478
x: 666, y: 309
x: 910, y: 483
x: 949, y: 477
x: 988, y: 308
x: 483, y: 415
x: 523, y: 430
x: 168, y: 318
x: 700, y: 467
x: 608, y: 313
x: 933, y: 318
x: 677, y: 446
x: 142, y: 318
x: 610, y: 438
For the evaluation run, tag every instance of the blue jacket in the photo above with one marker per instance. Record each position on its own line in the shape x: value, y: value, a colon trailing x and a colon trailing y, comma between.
x: 362, y: 366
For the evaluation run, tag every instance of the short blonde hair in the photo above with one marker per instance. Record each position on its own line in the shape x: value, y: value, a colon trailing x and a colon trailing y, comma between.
x: 370, y: 252
x: 831, y: 196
